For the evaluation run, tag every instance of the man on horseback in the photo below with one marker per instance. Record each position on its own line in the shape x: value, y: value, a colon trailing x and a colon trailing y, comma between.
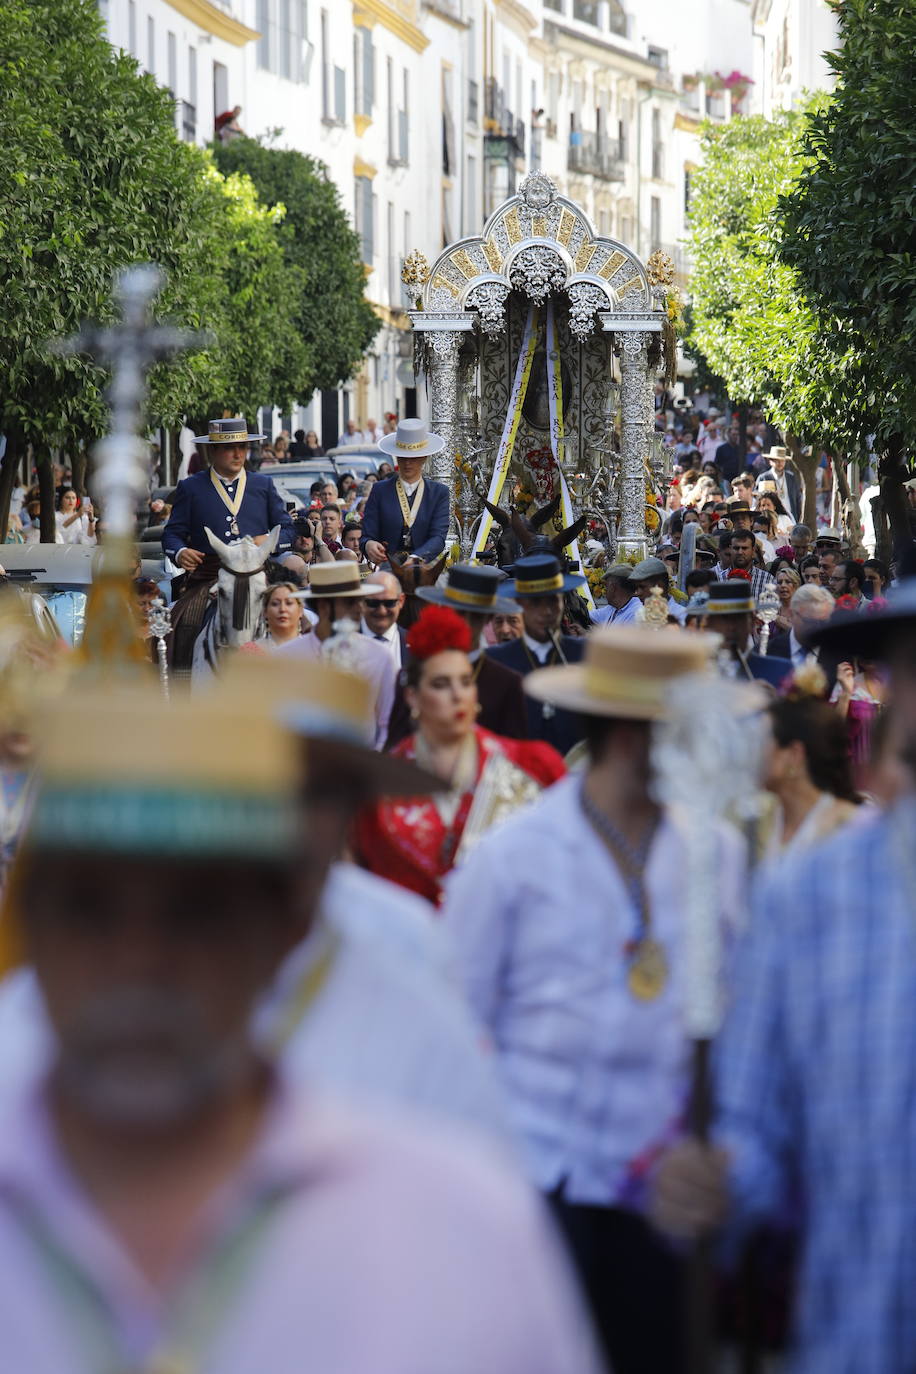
x: 231, y: 503
x: 407, y: 515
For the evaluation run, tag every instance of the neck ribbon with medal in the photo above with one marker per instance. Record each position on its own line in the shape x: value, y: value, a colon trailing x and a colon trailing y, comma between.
x: 409, y: 512
x: 233, y: 505
x: 648, y: 967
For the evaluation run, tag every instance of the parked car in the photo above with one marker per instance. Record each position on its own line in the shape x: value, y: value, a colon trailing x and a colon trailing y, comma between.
x: 59, y: 574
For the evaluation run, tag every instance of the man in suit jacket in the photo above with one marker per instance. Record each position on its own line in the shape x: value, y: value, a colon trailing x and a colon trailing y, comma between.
x: 473, y: 591
x: 729, y: 611
x: 809, y: 610
x: 380, y: 618
x: 539, y: 587
x: 407, y: 513
x: 788, y: 483
x: 224, y: 499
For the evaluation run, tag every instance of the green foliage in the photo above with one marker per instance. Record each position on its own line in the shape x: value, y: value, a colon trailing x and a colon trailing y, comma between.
x: 849, y: 228
x: 93, y: 178
x: 332, y: 316
x: 751, y: 320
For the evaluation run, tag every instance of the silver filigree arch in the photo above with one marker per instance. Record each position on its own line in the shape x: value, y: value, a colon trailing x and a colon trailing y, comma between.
x: 538, y: 242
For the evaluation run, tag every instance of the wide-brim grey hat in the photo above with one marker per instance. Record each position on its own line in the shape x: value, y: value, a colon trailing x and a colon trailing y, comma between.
x: 234, y: 431
x: 412, y: 439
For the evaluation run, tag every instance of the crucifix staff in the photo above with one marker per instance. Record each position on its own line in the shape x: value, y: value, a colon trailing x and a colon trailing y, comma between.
x: 130, y: 348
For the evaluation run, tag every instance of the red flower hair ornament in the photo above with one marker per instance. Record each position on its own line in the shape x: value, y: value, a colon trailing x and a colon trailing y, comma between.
x: 438, y: 629
x: 737, y: 573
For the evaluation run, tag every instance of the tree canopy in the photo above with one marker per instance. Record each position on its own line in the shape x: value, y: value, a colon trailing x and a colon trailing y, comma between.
x: 94, y: 178
x: 751, y: 318
x: 848, y: 230
x: 332, y: 316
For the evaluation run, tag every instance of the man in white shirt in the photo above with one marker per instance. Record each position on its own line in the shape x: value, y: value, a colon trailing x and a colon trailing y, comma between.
x: 335, y: 593
x: 622, y: 601
x: 569, y: 930
x: 380, y: 616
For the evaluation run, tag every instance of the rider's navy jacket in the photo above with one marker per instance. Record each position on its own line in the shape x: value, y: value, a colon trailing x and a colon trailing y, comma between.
x: 196, y: 506
x: 383, y: 519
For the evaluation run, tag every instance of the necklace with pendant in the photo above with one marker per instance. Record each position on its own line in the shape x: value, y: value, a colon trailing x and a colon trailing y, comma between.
x: 647, y: 974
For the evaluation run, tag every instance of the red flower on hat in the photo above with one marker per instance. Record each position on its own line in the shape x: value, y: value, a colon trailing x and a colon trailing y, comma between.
x: 739, y: 572
x: 438, y: 628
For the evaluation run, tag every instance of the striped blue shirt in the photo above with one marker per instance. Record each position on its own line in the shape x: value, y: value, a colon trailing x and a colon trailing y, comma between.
x: 817, y: 1082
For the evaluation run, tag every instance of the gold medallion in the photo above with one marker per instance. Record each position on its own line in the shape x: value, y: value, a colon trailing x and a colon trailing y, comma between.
x: 648, y: 971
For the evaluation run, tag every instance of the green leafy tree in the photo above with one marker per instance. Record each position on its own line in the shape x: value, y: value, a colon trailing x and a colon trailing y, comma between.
x: 848, y: 226
x: 332, y: 316
x: 751, y: 319
x: 93, y: 179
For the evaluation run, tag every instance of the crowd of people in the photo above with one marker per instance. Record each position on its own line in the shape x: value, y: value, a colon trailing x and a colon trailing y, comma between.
x: 345, y: 995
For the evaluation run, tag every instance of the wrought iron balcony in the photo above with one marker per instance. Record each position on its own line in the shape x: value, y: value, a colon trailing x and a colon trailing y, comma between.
x: 597, y: 157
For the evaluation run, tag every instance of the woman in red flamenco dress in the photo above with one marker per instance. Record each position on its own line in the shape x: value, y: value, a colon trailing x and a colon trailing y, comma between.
x: 415, y: 841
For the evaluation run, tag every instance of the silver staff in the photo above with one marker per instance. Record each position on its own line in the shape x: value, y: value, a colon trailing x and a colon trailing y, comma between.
x: 160, y: 627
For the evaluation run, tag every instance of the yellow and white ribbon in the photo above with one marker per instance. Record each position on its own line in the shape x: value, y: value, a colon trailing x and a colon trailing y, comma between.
x: 510, y: 428
x: 558, y: 443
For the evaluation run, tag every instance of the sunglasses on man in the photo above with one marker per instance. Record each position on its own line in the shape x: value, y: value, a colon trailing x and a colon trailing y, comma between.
x: 377, y: 602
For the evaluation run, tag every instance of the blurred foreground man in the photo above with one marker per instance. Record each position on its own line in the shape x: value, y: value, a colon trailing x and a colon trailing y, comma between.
x: 816, y: 1090
x: 165, y: 1202
x: 568, y: 923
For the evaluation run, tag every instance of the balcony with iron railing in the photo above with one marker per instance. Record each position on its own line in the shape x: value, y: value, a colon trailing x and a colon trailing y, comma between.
x: 595, y: 156
x: 505, y: 134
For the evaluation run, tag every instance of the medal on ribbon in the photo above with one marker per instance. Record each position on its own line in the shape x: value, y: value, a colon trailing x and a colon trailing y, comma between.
x: 233, y: 505
x: 409, y: 512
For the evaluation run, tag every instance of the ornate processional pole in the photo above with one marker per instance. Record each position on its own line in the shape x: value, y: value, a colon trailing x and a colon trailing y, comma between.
x: 699, y: 757
x: 110, y: 645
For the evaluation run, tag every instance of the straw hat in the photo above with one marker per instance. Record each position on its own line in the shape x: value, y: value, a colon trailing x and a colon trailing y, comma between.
x: 626, y: 672
x: 330, y: 709
x: 124, y: 772
x: 337, y: 580
x: 778, y: 452
x: 411, y: 439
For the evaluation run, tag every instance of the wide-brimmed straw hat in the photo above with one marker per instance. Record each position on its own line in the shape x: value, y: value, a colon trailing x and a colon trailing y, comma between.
x: 540, y: 574
x: 332, y: 711
x: 471, y: 587
x: 626, y: 673
x: 778, y: 451
x: 234, y: 431
x: 411, y: 439
x: 212, y: 779
x: 337, y: 580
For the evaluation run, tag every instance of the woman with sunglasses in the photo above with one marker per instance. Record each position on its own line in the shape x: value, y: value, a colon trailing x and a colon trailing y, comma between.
x: 416, y: 841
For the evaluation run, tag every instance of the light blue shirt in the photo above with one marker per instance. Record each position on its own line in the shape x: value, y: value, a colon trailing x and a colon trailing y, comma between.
x: 816, y: 1081
x: 610, y: 615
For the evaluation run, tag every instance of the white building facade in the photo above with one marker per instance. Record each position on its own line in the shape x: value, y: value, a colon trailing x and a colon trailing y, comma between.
x: 428, y: 113
x: 790, y: 40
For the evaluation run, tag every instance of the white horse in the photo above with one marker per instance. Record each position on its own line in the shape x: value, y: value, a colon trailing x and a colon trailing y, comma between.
x: 236, y: 616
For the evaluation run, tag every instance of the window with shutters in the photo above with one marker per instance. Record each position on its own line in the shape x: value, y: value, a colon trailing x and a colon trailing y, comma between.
x: 132, y: 28
x: 172, y: 59
x: 365, y: 214
x: 333, y: 80
x: 283, y: 45
x: 655, y: 223
x: 363, y: 72
x: 151, y: 45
